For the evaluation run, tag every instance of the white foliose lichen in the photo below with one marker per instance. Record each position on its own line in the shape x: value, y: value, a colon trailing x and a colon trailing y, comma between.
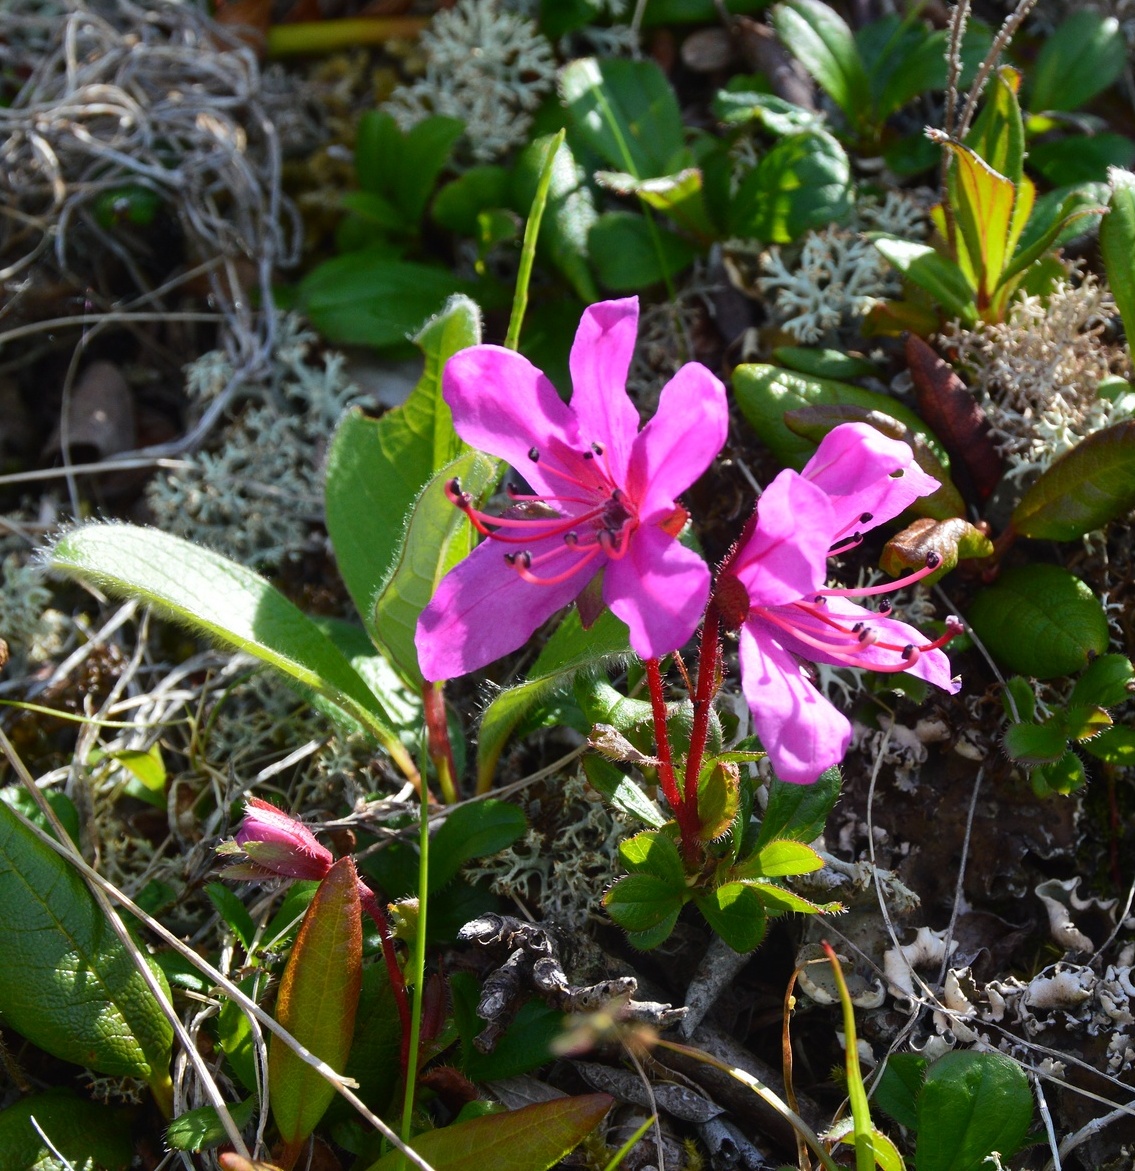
x: 257, y: 493
x: 1036, y: 374
x: 33, y: 630
x: 835, y: 276
x: 486, y: 65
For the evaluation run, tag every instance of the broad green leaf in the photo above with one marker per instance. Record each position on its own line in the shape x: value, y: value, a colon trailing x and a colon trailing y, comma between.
x: 626, y: 112
x: 437, y: 537
x: 799, y: 811
x: 377, y: 467
x: 369, y: 298
x: 1117, y: 244
x: 765, y: 393
x: 568, y: 652
x: 90, y: 1136
x: 1115, y: 745
x: 641, y: 903
x: 318, y: 997
x: 654, y: 852
x: 929, y: 270
x: 1085, y: 55
x: 458, y: 204
x: 476, y: 830
x: 1062, y: 776
x: 1106, y: 682
x: 1083, y: 489
x: 1031, y: 744
x: 775, y: 114
x: 678, y: 196
x: 822, y: 42
x: 229, y: 602
x: 897, y: 1090
x: 778, y: 859
x: 67, y: 984
x: 777, y: 900
x: 825, y: 363
x: 970, y: 1105
x: 630, y: 252
x: 533, y: 1138
x: 1039, y: 620
x: 620, y: 791
x: 735, y: 912
x: 803, y: 183
x: 404, y: 165
x: 1080, y: 158
x: 202, y: 1129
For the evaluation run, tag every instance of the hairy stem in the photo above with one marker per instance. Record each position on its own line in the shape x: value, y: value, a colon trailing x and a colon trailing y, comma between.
x: 708, y: 659
x: 685, y: 812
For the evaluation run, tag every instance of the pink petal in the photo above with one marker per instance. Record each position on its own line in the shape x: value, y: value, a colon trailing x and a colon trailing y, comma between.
x: 785, y: 556
x: 802, y: 733
x: 600, y: 360
x: 483, y: 609
x: 659, y: 589
x: 684, y: 437
x: 856, y: 466
x: 503, y: 405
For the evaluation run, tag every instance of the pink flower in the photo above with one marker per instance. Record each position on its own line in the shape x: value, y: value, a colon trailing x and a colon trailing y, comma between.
x: 603, y: 498
x: 276, y: 845
x: 772, y: 587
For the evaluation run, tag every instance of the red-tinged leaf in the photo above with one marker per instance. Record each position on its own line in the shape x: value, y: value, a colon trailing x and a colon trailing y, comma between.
x: 954, y: 416
x: 318, y: 997
x: 530, y: 1139
x: 952, y: 540
x: 1084, y: 489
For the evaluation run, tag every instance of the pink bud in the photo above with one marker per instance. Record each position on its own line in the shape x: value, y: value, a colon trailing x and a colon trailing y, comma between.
x: 277, y: 846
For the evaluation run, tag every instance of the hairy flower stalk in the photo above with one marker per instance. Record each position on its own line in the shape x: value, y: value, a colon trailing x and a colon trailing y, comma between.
x: 276, y: 845
x: 602, y: 507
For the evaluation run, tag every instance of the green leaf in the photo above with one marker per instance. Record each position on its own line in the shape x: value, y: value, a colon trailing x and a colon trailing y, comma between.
x: 620, y: 791
x: 678, y: 196
x: 799, y: 811
x: 229, y: 602
x: 377, y: 467
x: 318, y: 997
x: 998, y: 134
x: 1115, y: 745
x: 1080, y: 158
x: 778, y: 859
x: 803, y: 183
x: 437, y: 537
x: 971, y: 1104
x: 533, y: 1138
x: 660, y: 12
x: 951, y: 541
x: 822, y: 42
x: 1084, y: 721
x: 1117, y: 245
x: 929, y: 270
x: 644, y: 903
x: 765, y: 393
x: 1106, y: 682
x: 626, y: 112
x: 630, y: 253
x: 232, y: 911
x: 825, y: 363
x: 653, y: 852
x: 1039, y: 620
x: 568, y: 652
x: 477, y: 830
x: 896, y: 1092
x: 1031, y: 744
x: 719, y: 797
x: 402, y: 165
x: 90, y: 1136
x: 458, y: 204
x: 1023, y: 707
x: 67, y: 984
x: 1063, y: 776
x: 1085, y: 55
x: 777, y: 900
x: 774, y: 114
x: 735, y: 912
x: 1083, y: 489
x: 202, y: 1129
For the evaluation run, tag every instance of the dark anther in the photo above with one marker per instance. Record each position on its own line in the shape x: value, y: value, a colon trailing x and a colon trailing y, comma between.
x: 533, y: 454
x: 597, y: 448
x: 886, y: 608
x: 512, y: 488
x: 589, y: 455
x: 617, y: 495
x: 571, y: 537
x: 864, y: 634
x: 933, y: 560
x: 453, y: 487
x: 908, y: 651
x: 865, y: 518
x: 818, y: 600
x: 510, y: 558
x: 524, y: 559
x: 857, y: 628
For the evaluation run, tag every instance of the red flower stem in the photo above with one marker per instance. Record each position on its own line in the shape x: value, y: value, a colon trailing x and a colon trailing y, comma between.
x: 437, y: 738
x: 708, y: 659
x: 394, y: 972
x: 686, y: 814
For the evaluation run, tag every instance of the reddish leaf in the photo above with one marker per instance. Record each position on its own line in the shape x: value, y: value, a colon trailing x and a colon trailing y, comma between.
x: 954, y: 416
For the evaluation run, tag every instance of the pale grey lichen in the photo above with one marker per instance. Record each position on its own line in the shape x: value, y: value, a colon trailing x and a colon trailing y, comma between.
x: 32, y: 629
x: 485, y: 65
x: 1036, y: 374
x: 257, y: 493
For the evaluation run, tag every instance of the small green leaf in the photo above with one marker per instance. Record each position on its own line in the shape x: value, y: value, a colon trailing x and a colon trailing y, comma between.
x: 654, y: 852
x: 719, y: 797
x: 971, y: 1104
x: 929, y: 270
x: 620, y: 791
x: 825, y: 363
x: 1023, y: 707
x: 437, y: 537
x: 404, y: 165
x: 777, y: 900
x: 799, y: 811
x: 473, y: 831
x: 1039, y: 620
x: 630, y: 253
x: 570, y: 651
x: 950, y: 541
x: 896, y: 1092
x: 1083, y: 489
x: 229, y: 602
x: 533, y: 1138
x: 1031, y: 744
x: 775, y: 114
x: 641, y: 903
x: 202, y: 1129
x: 67, y: 984
x: 232, y: 911
x: 735, y: 912
x: 1115, y: 745
x: 318, y: 997
x: 1063, y: 776
x: 1085, y: 55
x: 778, y: 859
x: 1083, y: 722
x: 83, y: 1135
x: 822, y: 42
x: 678, y: 196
